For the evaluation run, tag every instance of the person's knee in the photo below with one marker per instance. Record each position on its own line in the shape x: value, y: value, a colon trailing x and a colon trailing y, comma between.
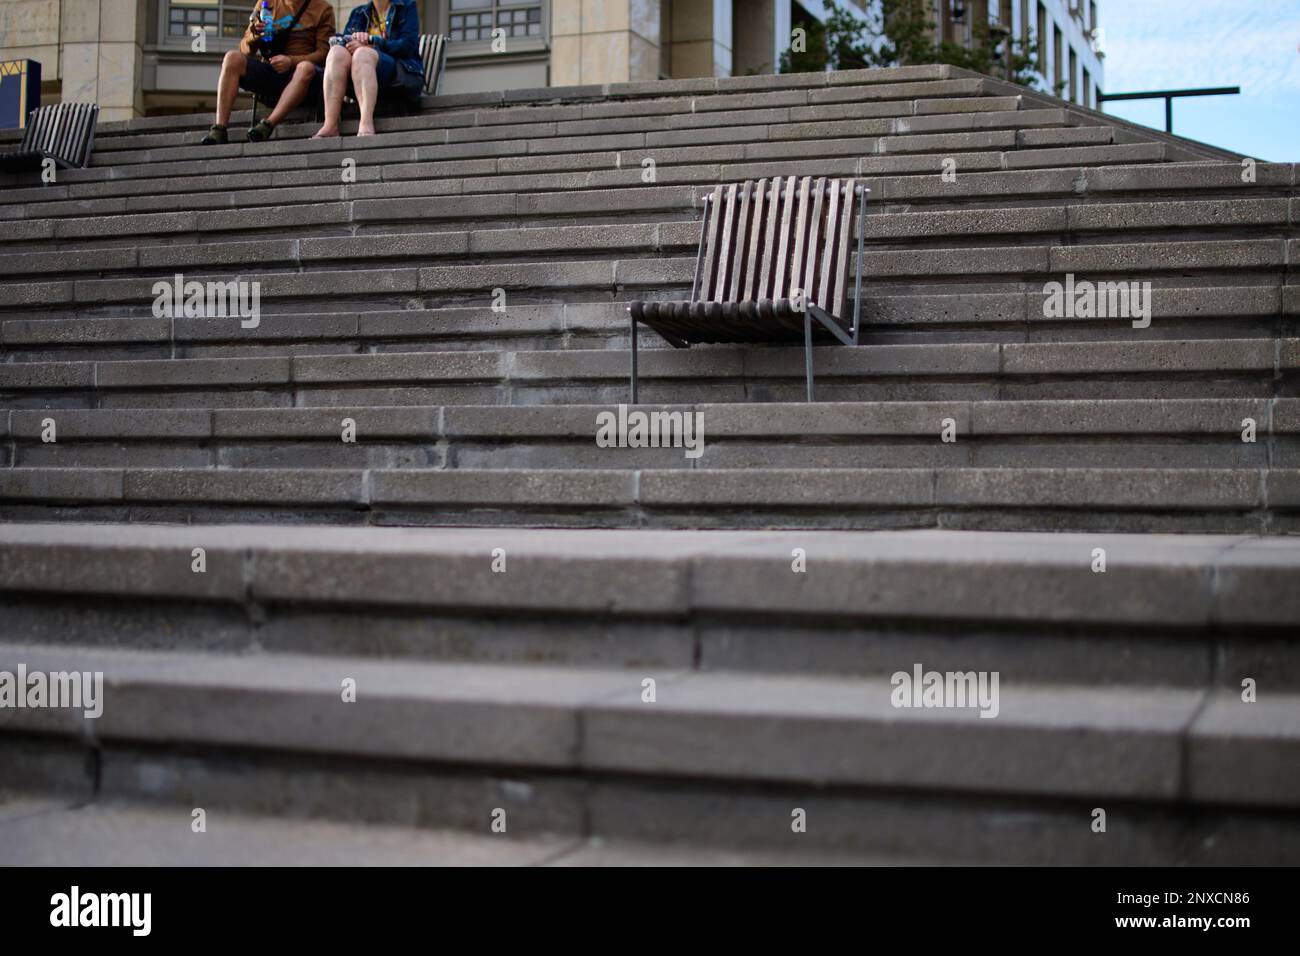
x: 235, y: 62
x: 365, y: 58
x: 304, y: 72
x: 339, y: 58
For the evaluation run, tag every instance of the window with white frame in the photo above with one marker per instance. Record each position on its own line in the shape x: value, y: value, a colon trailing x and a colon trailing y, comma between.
x: 471, y: 20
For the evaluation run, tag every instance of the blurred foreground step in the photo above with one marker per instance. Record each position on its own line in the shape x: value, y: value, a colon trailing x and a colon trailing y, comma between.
x: 552, y: 744
x: 45, y: 831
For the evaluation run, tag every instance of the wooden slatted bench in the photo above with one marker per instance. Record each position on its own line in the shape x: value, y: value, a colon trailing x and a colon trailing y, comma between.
x: 433, y: 54
x: 64, y: 132
x: 774, y: 255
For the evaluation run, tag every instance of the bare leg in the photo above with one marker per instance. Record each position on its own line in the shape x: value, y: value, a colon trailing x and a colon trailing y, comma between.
x: 366, y: 83
x: 233, y: 67
x: 303, y: 75
x: 337, y: 67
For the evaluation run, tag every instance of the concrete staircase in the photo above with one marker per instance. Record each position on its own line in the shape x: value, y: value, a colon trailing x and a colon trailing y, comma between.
x: 500, y: 659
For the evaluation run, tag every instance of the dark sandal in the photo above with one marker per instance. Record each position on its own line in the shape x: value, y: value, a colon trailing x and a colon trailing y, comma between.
x: 261, y: 132
x: 216, y: 136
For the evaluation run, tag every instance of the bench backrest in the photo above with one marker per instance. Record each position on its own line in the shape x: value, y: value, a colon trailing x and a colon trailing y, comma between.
x: 433, y: 54
x: 770, y: 238
x: 433, y: 57
x: 64, y: 131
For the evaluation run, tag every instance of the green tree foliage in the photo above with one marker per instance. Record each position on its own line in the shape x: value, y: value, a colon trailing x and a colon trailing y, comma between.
x: 900, y: 33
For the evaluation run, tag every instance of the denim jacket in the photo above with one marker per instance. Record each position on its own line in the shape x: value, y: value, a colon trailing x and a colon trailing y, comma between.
x: 403, y: 28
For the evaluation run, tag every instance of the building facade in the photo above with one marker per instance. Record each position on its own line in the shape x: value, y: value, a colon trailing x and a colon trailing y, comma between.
x: 1067, y: 34
x: 137, y: 57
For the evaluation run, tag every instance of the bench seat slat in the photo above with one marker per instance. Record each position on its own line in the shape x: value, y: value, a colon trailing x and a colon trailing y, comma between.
x: 826, y: 278
x: 743, y: 201
x: 808, y: 286
x: 748, y: 289
x: 726, y: 247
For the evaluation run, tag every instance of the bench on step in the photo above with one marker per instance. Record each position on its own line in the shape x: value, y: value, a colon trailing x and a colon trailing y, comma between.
x: 64, y: 132
x: 774, y: 264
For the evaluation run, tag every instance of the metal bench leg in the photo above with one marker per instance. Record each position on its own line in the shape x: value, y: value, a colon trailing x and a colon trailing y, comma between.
x: 632, y: 324
x: 807, y: 352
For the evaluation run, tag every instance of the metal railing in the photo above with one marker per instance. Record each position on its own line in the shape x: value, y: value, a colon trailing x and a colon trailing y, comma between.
x: 1168, y: 96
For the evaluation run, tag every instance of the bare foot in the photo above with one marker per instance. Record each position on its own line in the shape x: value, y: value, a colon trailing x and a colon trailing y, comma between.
x: 365, y: 131
x: 324, y: 133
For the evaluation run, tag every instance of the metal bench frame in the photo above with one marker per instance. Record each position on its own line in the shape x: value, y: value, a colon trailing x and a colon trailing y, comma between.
x: 748, y: 254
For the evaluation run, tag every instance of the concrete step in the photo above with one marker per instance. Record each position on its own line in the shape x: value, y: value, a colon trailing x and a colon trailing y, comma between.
x: 820, y: 731
x: 47, y: 830
x: 1144, y: 181
x: 565, y: 728
x: 647, y: 98
x: 988, y: 269
x: 1173, y: 222
x: 361, y: 252
x: 1039, y: 127
x: 684, y: 823
x: 1181, y: 312
x: 1012, y: 498
x: 684, y: 148
x: 1088, y: 214
x: 540, y: 326
x: 1168, y: 434
x: 509, y: 189
x: 519, y: 685
x: 654, y: 101
x: 1231, y: 368
x: 1258, y: 310
x: 1102, y: 259
x: 522, y: 137
x: 610, y: 99
x: 596, y: 118
x: 1087, y: 219
x: 1183, y: 611
x: 689, y: 133
x: 896, y: 179
x: 616, y: 99
x: 677, y: 108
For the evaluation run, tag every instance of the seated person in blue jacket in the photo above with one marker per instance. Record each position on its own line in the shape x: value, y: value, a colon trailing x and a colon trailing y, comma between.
x: 378, y: 51
x: 281, y: 65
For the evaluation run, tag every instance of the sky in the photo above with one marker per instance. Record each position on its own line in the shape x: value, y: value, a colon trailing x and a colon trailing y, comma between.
x: 1186, y: 44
